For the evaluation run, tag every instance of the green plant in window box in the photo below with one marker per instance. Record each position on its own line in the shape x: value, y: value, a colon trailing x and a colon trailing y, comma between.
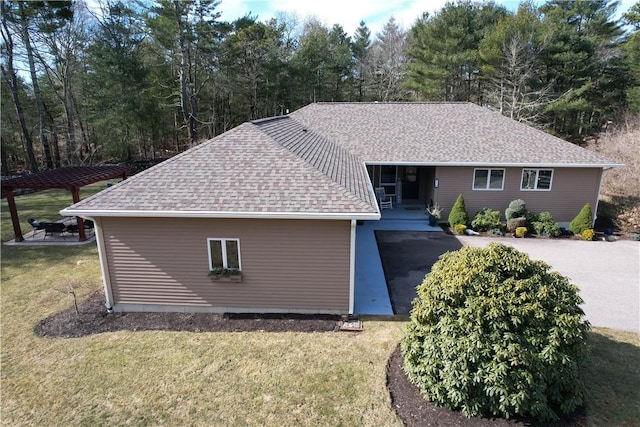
x: 221, y: 274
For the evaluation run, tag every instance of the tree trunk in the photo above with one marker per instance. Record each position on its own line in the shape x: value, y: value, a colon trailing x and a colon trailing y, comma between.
x: 5, y: 160
x: 12, y: 81
x: 36, y: 88
x: 83, y: 132
x: 56, y: 148
x: 187, y: 100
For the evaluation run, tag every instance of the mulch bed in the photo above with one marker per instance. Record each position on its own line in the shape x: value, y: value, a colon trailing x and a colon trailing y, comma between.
x: 94, y: 319
x: 415, y: 411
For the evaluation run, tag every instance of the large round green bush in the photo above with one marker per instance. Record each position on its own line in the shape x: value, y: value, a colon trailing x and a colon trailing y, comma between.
x: 493, y: 333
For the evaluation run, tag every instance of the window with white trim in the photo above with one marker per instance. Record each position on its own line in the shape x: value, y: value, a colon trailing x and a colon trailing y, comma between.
x: 536, y: 179
x: 488, y: 179
x: 224, y: 253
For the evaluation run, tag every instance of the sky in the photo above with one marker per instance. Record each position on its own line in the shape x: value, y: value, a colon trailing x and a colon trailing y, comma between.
x: 349, y: 13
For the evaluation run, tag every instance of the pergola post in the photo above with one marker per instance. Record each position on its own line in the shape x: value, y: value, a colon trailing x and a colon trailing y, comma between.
x: 75, y: 193
x: 14, y: 214
x: 71, y: 178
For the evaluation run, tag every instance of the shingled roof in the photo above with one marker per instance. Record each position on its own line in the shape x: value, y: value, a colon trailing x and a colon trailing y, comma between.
x: 311, y: 163
x: 244, y: 173
x: 439, y: 134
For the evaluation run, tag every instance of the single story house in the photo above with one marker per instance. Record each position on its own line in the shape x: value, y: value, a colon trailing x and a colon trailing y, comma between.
x: 278, y: 200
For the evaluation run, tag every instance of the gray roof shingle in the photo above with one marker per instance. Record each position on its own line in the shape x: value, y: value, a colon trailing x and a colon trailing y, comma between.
x: 438, y: 133
x: 311, y: 163
x: 241, y: 171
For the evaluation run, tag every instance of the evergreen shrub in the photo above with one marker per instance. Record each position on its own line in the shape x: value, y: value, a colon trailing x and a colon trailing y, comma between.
x: 544, y: 225
x: 582, y: 221
x: 516, y: 214
x: 521, y: 231
x: 486, y: 219
x: 517, y: 209
x: 458, y: 214
x: 494, y: 333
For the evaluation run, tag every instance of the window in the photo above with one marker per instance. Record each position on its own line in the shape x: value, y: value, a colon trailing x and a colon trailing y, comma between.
x: 488, y: 179
x: 224, y: 253
x: 536, y: 179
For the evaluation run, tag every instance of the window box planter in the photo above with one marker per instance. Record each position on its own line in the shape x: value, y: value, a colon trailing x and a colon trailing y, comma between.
x: 225, y: 275
x: 226, y: 279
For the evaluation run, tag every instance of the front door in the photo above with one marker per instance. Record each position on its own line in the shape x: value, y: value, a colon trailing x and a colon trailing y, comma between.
x: 410, y: 183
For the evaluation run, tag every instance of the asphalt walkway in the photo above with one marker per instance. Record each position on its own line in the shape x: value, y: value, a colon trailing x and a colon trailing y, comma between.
x: 371, y: 294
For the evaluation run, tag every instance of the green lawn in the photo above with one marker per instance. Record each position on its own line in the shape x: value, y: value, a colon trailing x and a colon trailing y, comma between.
x: 42, y: 206
x: 185, y: 378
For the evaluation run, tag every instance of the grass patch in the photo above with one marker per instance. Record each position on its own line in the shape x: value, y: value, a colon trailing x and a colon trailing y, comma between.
x: 43, y: 206
x: 611, y: 378
x: 185, y: 378
x: 176, y: 378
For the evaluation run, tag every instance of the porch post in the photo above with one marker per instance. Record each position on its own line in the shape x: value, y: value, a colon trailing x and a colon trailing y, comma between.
x: 14, y: 214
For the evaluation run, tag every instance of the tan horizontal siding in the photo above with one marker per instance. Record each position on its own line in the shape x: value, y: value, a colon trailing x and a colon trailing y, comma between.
x: 570, y: 190
x: 286, y: 264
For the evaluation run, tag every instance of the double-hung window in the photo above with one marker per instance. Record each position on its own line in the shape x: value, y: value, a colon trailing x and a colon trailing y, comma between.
x: 536, y: 179
x: 224, y: 253
x: 488, y: 179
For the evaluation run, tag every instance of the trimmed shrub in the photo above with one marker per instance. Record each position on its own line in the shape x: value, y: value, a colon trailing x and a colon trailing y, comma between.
x: 516, y: 214
x: 514, y: 223
x: 497, y: 232
x: 458, y: 214
x: 544, y: 225
x: 588, y: 234
x: 486, y: 219
x: 582, y: 221
x: 517, y: 209
x: 493, y: 333
x: 459, y: 228
x: 521, y: 231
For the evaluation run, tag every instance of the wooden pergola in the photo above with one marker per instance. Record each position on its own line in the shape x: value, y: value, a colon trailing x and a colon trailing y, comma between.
x: 70, y: 178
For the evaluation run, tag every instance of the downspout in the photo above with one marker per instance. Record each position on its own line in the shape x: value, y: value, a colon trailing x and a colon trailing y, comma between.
x: 102, y: 255
x: 594, y: 214
x: 352, y: 267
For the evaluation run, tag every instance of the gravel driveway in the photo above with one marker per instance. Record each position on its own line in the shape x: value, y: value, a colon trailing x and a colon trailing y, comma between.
x: 607, y: 273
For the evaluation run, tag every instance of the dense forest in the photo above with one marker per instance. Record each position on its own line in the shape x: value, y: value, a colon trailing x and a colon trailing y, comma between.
x: 147, y: 79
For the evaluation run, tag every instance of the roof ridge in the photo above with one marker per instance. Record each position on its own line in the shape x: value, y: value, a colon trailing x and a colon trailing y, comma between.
x: 309, y: 149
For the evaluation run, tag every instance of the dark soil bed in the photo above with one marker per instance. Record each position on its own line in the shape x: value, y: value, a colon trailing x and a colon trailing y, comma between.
x: 93, y: 319
x: 415, y: 411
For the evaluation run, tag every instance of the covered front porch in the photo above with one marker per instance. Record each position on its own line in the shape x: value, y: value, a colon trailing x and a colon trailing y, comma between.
x: 371, y: 294
x: 408, y: 185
